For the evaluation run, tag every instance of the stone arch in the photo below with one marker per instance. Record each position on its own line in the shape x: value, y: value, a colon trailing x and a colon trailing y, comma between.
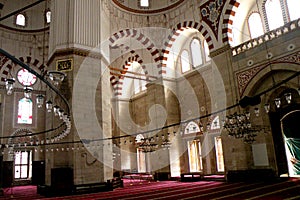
x: 228, y: 21
x: 248, y: 78
x: 117, y: 80
x: 177, y: 32
x: 180, y: 27
x: 6, y: 66
x: 140, y: 37
x: 192, y: 127
x: 23, y: 134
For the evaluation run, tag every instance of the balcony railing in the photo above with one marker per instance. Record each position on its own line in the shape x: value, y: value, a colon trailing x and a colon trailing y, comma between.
x: 266, y: 37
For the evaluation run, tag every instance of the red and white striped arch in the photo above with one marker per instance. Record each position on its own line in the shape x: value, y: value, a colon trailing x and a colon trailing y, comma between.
x: 32, y: 62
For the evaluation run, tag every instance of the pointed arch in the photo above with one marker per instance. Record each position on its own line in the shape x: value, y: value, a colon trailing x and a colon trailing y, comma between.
x: 141, y: 38
x: 178, y: 32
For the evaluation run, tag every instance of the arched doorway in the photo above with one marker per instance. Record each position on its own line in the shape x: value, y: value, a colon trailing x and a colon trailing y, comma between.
x: 291, y: 136
x: 286, y: 135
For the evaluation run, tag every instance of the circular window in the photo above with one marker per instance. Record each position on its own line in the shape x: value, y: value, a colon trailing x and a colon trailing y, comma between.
x: 26, y: 78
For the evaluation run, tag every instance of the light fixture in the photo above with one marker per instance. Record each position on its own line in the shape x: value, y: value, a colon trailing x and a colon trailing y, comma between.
x: 9, y: 85
x: 277, y: 102
x: 267, y: 107
x: 49, y: 106
x: 60, y: 113
x: 208, y: 126
x: 56, y: 76
x: 256, y: 111
x: 55, y: 110
x: 166, y: 144
x: 288, y: 97
x: 28, y: 92
x: 148, y: 145
x: 40, y: 100
x: 239, y: 126
x: 201, y: 128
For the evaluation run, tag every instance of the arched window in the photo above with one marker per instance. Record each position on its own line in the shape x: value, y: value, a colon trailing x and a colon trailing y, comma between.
x: 185, y: 64
x: 206, y: 51
x: 196, y: 53
x: 255, y: 25
x: 25, y: 111
x: 139, y: 84
x: 192, y: 127
x: 144, y: 3
x: 274, y: 14
x: 215, y: 123
x: 20, y: 20
x: 293, y: 6
x: 48, y: 16
x: 139, y: 81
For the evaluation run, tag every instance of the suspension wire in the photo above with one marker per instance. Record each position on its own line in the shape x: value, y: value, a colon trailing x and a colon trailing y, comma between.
x: 20, y: 10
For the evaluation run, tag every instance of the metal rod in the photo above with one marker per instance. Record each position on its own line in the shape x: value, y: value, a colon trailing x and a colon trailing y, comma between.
x: 20, y: 10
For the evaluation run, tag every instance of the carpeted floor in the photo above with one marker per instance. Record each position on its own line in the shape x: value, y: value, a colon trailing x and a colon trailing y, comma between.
x: 288, y: 189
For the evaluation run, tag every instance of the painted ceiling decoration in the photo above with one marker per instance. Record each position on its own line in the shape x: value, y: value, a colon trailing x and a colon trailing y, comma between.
x: 211, y: 12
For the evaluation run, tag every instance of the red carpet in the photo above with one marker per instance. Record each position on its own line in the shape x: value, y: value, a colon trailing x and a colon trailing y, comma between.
x: 171, y: 190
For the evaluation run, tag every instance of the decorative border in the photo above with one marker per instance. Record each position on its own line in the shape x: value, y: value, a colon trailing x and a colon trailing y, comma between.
x: 245, y: 77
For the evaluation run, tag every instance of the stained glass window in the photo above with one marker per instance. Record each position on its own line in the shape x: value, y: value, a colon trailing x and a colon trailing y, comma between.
x: 25, y: 111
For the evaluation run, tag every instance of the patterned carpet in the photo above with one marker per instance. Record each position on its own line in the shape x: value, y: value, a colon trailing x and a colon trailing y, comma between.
x: 288, y: 189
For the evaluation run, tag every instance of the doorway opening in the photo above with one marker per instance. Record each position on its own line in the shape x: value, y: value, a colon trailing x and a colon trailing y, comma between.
x: 291, y: 138
x: 22, y: 167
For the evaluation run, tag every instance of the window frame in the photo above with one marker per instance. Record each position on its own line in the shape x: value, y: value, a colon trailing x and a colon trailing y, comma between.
x: 249, y: 27
x: 20, y: 165
x: 25, y: 20
x: 30, y: 114
x: 18, y: 96
x: 283, y: 10
x: 201, y: 52
x: 45, y: 16
x: 286, y: 4
x: 207, y: 58
x: 189, y: 61
x: 144, y: 7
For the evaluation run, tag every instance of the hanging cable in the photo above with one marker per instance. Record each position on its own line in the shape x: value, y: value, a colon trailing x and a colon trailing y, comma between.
x: 21, y: 9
